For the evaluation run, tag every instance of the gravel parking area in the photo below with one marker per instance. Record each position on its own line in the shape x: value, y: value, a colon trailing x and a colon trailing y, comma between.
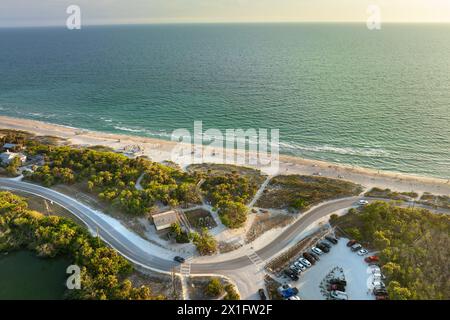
x: 355, y: 270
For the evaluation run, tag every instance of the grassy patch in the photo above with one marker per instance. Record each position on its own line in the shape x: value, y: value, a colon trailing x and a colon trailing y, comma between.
x: 435, y: 201
x: 301, y: 192
x: 200, y: 218
x: 389, y: 194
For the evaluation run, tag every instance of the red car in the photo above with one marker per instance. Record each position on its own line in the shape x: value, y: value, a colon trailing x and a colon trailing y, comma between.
x: 350, y: 243
x: 372, y: 259
x: 382, y: 297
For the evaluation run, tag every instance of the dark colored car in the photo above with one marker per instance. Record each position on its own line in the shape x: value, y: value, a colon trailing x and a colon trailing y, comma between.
x: 338, y: 282
x: 315, y: 256
x: 291, y: 275
x: 326, y: 244
x: 350, y: 243
x: 179, y: 259
x: 323, y: 248
x: 262, y: 294
x: 331, y: 239
x: 309, y: 257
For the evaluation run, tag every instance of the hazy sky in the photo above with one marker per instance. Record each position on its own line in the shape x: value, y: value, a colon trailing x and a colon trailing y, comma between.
x: 53, y: 12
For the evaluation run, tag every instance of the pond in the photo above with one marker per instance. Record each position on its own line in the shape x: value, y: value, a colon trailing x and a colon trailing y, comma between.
x: 23, y: 275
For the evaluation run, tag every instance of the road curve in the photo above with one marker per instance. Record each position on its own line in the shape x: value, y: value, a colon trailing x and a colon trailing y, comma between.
x: 136, y: 254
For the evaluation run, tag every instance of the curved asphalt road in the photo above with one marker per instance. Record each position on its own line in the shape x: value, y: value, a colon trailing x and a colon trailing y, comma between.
x: 136, y: 254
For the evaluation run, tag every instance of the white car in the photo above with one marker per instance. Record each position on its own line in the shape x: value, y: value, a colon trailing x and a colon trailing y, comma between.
x: 363, y: 202
x: 362, y: 252
x: 317, y: 251
x: 305, y: 262
x: 294, y: 298
x: 300, y: 266
x: 338, y: 295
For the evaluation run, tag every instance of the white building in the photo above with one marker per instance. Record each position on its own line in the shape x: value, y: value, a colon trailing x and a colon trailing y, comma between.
x: 6, y: 157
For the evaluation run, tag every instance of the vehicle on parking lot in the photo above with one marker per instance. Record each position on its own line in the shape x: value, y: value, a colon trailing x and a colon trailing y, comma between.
x: 331, y: 239
x: 350, y: 243
x: 293, y: 268
x: 338, y: 295
x: 338, y: 281
x: 326, y: 244
x: 334, y: 287
x: 356, y: 247
x: 291, y: 274
x: 317, y: 251
x: 305, y: 262
x: 294, y: 298
x: 362, y: 252
x: 314, y: 255
x: 322, y: 247
x: 299, y: 265
x: 262, y: 294
x: 363, y: 202
x: 372, y: 259
x: 179, y: 259
x: 309, y: 257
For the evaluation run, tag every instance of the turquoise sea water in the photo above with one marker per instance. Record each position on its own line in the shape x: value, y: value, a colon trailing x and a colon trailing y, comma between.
x: 340, y: 93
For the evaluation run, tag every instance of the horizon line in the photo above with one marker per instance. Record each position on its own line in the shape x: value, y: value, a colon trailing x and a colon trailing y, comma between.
x: 216, y: 23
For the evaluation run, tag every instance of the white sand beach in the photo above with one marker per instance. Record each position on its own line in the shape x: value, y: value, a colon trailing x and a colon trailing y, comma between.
x: 162, y: 150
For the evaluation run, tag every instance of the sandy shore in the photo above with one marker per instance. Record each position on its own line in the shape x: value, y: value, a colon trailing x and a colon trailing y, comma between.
x: 161, y: 150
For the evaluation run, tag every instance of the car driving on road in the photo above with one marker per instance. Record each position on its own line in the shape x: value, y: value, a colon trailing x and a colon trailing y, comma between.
x: 179, y: 259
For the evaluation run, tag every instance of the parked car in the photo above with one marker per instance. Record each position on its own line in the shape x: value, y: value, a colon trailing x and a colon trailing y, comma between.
x: 291, y: 274
x: 338, y: 295
x: 338, y: 287
x: 317, y: 251
x: 294, y: 298
x: 293, y: 268
x: 350, y: 243
x: 356, y: 247
x: 326, y: 244
x: 362, y: 252
x: 338, y: 281
x: 331, y: 239
x: 305, y: 262
x: 300, y: 266
x: 262, y: 294
x: 382, y: 297
x: 372, y: 259
x: 314, y: 255
x: 323, y: 248
x: 179, y: 259
x: 309, y: 257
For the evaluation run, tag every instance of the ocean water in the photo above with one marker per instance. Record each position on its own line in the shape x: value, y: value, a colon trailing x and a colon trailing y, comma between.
x: 337, y: 92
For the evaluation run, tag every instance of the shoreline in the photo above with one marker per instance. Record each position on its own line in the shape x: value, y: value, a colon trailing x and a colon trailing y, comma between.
x: 160, y: 150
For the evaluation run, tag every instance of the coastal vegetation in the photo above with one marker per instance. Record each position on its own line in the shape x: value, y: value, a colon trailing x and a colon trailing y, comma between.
x: 228, y: 189
x: 298, y: 193
x: 205, y: 243
x: 112, y: 177
x: 437, y: 201
x: 412, y: 244
x: 103, y: 271
x: 389, y: 194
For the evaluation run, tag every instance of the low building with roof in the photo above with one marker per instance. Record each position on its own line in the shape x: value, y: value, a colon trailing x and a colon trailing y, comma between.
x: 165, y: 220
x: 7, y: 157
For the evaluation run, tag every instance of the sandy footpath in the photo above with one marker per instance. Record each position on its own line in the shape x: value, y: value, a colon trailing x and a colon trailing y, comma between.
x: 161, y: 150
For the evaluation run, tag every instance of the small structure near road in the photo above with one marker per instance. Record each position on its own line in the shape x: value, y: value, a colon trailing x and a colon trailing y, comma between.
x: 7, y: 157
x: 165, y: 220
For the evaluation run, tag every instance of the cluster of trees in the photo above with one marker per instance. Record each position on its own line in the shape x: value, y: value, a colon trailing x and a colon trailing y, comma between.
x: 103, y: 271
x: 214, y: 288
x: 181, y: 236
x: 113, y: 177
x: 229, y: 194
x: 413, y: 247
x: 205, y: 242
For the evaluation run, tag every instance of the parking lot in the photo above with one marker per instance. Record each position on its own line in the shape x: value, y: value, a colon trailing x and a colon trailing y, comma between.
x: 356, y: 271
